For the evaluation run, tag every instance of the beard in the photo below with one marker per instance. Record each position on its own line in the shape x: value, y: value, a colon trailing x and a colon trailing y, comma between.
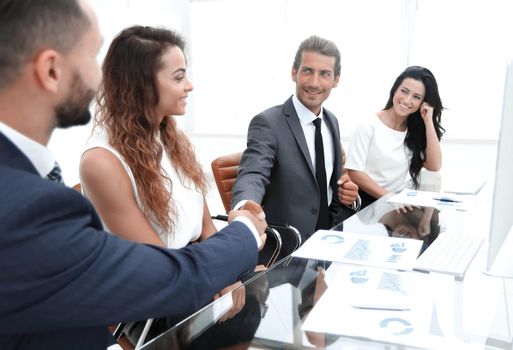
x: 75, y: 109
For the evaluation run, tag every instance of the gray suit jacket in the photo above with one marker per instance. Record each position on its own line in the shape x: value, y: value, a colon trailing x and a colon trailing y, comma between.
x: 276, y: 169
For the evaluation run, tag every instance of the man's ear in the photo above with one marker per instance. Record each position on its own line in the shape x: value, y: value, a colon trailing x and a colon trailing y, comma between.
x: 294, y: 75
x: 335, y: 83
x: 48, y: 70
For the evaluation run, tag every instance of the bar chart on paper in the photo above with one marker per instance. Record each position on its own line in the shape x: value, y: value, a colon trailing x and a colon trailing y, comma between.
x: 361, y: 249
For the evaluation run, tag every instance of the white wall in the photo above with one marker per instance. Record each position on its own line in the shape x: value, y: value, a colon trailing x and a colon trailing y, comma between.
x: 115, y: 15
x: 241, y: 53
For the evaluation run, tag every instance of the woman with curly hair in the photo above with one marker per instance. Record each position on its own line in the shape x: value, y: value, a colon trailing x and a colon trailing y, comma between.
x: 402, y: 138
x: 139, y: 169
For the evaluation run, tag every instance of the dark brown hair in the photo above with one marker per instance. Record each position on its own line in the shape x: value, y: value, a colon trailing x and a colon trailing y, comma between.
x: 27, y: 26
x: 416, y: 130
x: 323, y: 46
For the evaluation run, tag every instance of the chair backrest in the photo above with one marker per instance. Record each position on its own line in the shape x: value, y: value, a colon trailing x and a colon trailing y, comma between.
x: 282, y: 240
x: 224, y: 169
x: 77, y: 187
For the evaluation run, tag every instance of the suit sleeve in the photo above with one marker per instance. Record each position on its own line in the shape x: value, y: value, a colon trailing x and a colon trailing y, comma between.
x: 257, y: 162
x: 58, y: 271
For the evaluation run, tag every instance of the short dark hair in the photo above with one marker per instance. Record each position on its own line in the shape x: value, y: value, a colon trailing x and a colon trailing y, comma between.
x: 27, y: 26
x: 323, y: 46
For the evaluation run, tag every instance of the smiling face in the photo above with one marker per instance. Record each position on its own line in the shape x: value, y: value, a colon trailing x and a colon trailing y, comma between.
x: 408, y: 97
x: 314, y: 79
x: 173, y: 84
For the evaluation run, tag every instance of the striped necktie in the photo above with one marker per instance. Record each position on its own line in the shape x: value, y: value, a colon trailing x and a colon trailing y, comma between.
x: 55, y: 174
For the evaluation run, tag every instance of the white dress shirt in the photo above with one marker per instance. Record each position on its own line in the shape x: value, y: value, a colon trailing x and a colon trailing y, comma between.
x: 38, y: 154
x: 306, y: 117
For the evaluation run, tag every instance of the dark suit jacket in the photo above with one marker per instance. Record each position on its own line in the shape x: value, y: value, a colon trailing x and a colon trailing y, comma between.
x: 63, y: 279
x: 276, y: 169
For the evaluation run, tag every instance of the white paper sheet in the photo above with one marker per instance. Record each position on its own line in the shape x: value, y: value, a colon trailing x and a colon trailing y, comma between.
x: 468, y: 184
x: 339, y: 310
x: 438, y: 200
x: 381, y: 291
x: 356, y: 248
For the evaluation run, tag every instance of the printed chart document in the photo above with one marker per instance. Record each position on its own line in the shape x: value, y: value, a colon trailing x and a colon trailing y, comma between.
x: 383, y: 305
x: 356, y: 248
x: 439, y: 200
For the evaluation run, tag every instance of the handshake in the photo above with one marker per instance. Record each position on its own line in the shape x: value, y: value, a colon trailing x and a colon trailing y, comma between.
x: 253, y: 212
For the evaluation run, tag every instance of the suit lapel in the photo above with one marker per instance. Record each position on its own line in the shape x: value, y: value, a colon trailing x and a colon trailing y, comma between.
x: 11, y: 156
x: 297, y: 131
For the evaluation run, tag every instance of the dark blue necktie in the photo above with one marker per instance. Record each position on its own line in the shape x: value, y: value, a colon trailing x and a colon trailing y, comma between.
x: 55, y: 174
x: 323, y: 221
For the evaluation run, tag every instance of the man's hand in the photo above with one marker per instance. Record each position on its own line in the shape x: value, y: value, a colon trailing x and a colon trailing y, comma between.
x: 347, y: 190
x: 254, y: 212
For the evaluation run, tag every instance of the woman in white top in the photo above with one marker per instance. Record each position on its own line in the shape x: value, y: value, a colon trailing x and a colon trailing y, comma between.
x: 402, y: 138
x: 140, y: 170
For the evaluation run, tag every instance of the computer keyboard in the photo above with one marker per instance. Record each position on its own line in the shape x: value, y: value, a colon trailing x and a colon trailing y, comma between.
x: 450, y: 254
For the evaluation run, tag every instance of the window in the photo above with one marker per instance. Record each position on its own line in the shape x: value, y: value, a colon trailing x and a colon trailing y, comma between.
x: 242, y: 53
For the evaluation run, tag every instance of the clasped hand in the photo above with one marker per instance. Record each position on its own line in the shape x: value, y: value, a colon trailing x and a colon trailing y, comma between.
x: 253, y: 212
x: 347, y: 190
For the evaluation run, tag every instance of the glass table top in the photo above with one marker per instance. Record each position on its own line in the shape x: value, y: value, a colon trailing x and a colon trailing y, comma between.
x: 279, y: 301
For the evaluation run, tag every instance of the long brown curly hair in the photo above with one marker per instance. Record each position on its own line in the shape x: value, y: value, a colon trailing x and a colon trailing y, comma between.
x: 126, y: 104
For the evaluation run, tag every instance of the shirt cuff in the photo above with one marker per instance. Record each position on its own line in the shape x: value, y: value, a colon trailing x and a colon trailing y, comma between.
x: 357, y: 203
x: 240, y: 204
x: 251, y: 227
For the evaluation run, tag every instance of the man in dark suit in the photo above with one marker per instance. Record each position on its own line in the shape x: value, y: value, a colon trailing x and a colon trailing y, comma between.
x: 63, y: 279
x: 281, y: 167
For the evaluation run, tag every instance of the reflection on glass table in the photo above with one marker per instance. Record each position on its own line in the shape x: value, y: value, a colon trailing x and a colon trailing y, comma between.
x: 279, y: 301
x: 388, y: 219
x: 395, y: 220
x: 282, y: 299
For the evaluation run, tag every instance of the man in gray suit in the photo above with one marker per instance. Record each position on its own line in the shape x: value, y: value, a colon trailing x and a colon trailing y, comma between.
x: 294, y: 159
